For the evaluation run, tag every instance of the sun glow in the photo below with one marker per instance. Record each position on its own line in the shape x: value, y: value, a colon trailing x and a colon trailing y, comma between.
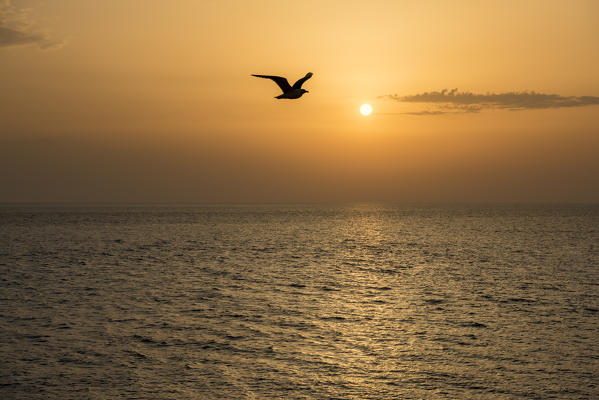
x: 365, y: 109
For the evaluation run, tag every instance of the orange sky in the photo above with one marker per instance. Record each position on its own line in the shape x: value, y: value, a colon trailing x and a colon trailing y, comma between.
x: 152, y: 101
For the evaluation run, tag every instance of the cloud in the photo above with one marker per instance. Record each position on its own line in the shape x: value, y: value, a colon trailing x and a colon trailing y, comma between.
x: 426, y: 113
x: 17, y: 28
x: 468, y: 102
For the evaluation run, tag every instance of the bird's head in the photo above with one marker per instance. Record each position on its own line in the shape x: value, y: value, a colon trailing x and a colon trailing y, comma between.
x: 305, y: 91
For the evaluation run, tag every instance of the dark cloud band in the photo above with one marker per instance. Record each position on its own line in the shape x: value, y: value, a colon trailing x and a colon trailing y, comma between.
x: 16, y: 29
x: 468, y: 102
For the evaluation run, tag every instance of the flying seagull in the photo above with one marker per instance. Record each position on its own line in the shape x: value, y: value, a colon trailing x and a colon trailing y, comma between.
x: 289, y: 92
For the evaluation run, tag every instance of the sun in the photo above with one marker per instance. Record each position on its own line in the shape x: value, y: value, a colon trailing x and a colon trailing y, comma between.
x: 365, y: 109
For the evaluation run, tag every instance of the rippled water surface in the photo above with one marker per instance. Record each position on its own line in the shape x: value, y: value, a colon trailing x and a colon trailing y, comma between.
x: 308, y: 302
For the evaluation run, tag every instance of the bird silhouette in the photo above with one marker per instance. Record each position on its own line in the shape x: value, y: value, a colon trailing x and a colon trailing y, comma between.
x: 289, y: 92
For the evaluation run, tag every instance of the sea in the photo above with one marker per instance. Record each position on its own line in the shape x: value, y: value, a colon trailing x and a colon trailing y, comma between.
x: 357, y: 301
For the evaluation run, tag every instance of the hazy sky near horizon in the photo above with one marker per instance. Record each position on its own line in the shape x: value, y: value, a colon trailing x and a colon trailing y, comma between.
x: 152, y: 101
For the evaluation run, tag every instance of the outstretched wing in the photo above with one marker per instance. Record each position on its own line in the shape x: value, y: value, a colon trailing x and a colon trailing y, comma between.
x: 279, y: 80
x: 300, y: 82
